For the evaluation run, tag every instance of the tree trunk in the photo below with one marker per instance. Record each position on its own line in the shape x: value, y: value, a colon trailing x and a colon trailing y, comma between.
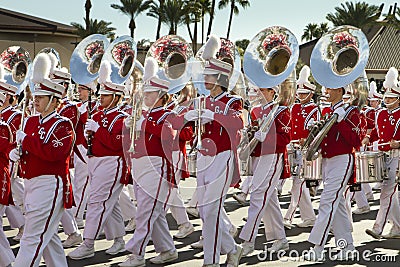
x: 189, y: 31
x: 202, y: 27
x: 211, y: 17
x: 161, y: 8
x: 132, y: 27
x: 230, y: 18
x: 194, y: 44
x: 88, y: 6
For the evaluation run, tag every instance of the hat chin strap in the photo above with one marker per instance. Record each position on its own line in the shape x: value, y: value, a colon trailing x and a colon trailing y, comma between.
x: 48, y: 104
x: 111, y: 102
x: 301, y: 99
x: 392, y: 104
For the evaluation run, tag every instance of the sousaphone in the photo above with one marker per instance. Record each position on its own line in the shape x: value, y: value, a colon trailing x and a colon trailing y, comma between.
x: 337, y: 60
x: 174, y: 57
x: 85, y: 60
x: 270, y: 61
x: 16, y: 61
x: 121, y: 54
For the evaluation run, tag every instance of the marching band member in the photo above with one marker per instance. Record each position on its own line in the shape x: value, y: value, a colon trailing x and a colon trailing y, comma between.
x: 268, y: 167
x: 362, y: 197
x: 216, y: 160
x: 301, y: 115
x: 69, y: 110
x: 6, y: 138
x: 337, y: 166
x: 46, y: 141
x: 386, y: 131
x: 107, y: 170
x: 12, y: 117
x: 179, y: 160
x: 152, y: 173
x: 81, y: 180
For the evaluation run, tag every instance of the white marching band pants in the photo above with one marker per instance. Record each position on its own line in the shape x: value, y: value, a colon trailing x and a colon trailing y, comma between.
x: 264, y: 203
x: 300, y: 196
x: 176, y: 203
x: 128, y: 208
x: 43, y: 210
x: 103, y: 210
x: 389, y: 201
x: 80, y: 183
x: 6, y: 254
x: 152, y: 191
x: 336, y: 172
x: 214, y: 176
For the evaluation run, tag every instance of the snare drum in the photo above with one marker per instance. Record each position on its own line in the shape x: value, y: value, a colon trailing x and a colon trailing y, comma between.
x: 246, y: 167
x: 293, y: 162
x: 192, y: 165
x: 370, y: 167
x: 312, y: 170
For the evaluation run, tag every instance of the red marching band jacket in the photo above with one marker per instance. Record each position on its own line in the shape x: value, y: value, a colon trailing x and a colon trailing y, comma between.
x: 12, y: 117
x: 46, y: 150
x: 107, y: 140
x: 301, y: 114
x: 69, y: 110
x: 156, y: 138
x: 222, y: 133
x: 345, y: 136
x: 5, y: 147
x: 277, y: 137
x: 183, y: 136
x: 386, y: 127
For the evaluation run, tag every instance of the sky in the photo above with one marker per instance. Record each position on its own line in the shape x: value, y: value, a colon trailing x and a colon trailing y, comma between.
x: 292, y: 14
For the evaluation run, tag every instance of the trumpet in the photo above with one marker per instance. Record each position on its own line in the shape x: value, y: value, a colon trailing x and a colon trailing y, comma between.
x: 19, y: 146
x: 137, y: 101
x: 199, y: 105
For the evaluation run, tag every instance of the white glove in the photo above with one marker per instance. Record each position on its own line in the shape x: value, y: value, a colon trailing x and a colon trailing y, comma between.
x: 206, y: 116
x: 128, y: 122
x: 14, y: 155
x: 20, y: 136
x: 191, y: 115
x: 139, y: 123
x: 91, y: 125
x: 310, y: 123
x: 340, y: 112
x: 260, y: 136
x: 83, y: 108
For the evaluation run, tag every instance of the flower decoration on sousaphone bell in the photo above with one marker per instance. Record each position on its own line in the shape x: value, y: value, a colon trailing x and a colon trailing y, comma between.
x: 339, y: 57
x: 121, y: 50
x: 227, y: 51
x: 97, y: 47
x: 166, y: 46
x: 11, y: 56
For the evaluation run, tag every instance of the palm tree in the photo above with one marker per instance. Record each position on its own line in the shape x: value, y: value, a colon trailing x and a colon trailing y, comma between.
x: 322, y: 29
x: 193, y: 12
x: 309, y: 32
x: 101, y: 27
x: 234, y: 6
x: 205, y: 9
x: 392, y: 18
x: 212, y: 13
x: 88, y: 6
x: 361, y: 15
x: 132, y: 8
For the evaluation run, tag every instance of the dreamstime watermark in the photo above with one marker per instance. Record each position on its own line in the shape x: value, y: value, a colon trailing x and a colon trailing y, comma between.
x: 328, y: 254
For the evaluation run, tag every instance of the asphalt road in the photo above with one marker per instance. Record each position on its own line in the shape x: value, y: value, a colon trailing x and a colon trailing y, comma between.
x: 372, y: 252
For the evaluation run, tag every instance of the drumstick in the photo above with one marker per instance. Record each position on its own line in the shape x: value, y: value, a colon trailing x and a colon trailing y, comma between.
x: 383, y: 144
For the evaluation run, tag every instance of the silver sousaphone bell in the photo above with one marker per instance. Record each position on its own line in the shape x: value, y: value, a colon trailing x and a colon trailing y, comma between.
x: 174, y: 57
x: 16, y: 61
x: 271, y: 57
x: 338, y: 60
x: 228, y: 53
x: 122, y: 55
x: 85, y: 60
